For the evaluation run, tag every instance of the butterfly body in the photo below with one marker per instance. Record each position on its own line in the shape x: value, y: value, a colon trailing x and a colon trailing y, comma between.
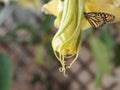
x: 98, y: 19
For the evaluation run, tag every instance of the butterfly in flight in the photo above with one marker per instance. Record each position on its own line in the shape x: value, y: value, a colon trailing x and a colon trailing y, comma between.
x: 98, y: 19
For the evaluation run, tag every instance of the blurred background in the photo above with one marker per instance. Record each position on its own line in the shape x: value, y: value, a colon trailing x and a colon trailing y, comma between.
x: 27, y: 61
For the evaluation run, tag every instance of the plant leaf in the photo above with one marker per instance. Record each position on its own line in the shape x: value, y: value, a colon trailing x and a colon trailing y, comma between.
x: 5, y: 73
x: 101, y: 55
x: 108, y: 40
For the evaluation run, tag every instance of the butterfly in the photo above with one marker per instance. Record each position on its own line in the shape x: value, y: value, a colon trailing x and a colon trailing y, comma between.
x: 98, y: 19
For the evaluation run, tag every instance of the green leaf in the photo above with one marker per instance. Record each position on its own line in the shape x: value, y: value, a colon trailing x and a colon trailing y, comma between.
x: 5, y: 73
x: 101, y: 55
x: 108, y: 40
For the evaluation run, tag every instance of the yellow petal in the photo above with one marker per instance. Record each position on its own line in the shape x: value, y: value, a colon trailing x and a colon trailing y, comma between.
x: 67, y: 41
x: 51, y: 7
x: 108, y: 6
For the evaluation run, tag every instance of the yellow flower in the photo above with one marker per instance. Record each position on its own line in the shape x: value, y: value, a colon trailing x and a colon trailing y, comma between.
x: 55, y: 7
x: 67, y: 41
x: 70, y: 21
x: 108, y: 6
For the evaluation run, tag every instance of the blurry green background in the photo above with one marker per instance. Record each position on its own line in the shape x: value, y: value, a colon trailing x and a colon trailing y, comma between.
x: 27, y: 61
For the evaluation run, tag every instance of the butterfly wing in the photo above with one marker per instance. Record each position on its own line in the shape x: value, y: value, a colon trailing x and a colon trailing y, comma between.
x: 95, y: 19
x: 109, y: 17
x: 98, y: 19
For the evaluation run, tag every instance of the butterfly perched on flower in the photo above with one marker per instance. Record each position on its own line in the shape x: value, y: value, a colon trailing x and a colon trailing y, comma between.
x: 98, y: 19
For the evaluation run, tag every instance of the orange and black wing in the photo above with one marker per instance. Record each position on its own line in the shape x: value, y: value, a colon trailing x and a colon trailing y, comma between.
x: 98, y: 19
x: 108, y: 17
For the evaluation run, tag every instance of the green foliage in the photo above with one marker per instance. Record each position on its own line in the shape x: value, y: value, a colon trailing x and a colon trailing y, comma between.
x: 107, y: 38
x: 101, y: 55
x: 5, y: 73
x: 45, y: 45
x: 101, y: 46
